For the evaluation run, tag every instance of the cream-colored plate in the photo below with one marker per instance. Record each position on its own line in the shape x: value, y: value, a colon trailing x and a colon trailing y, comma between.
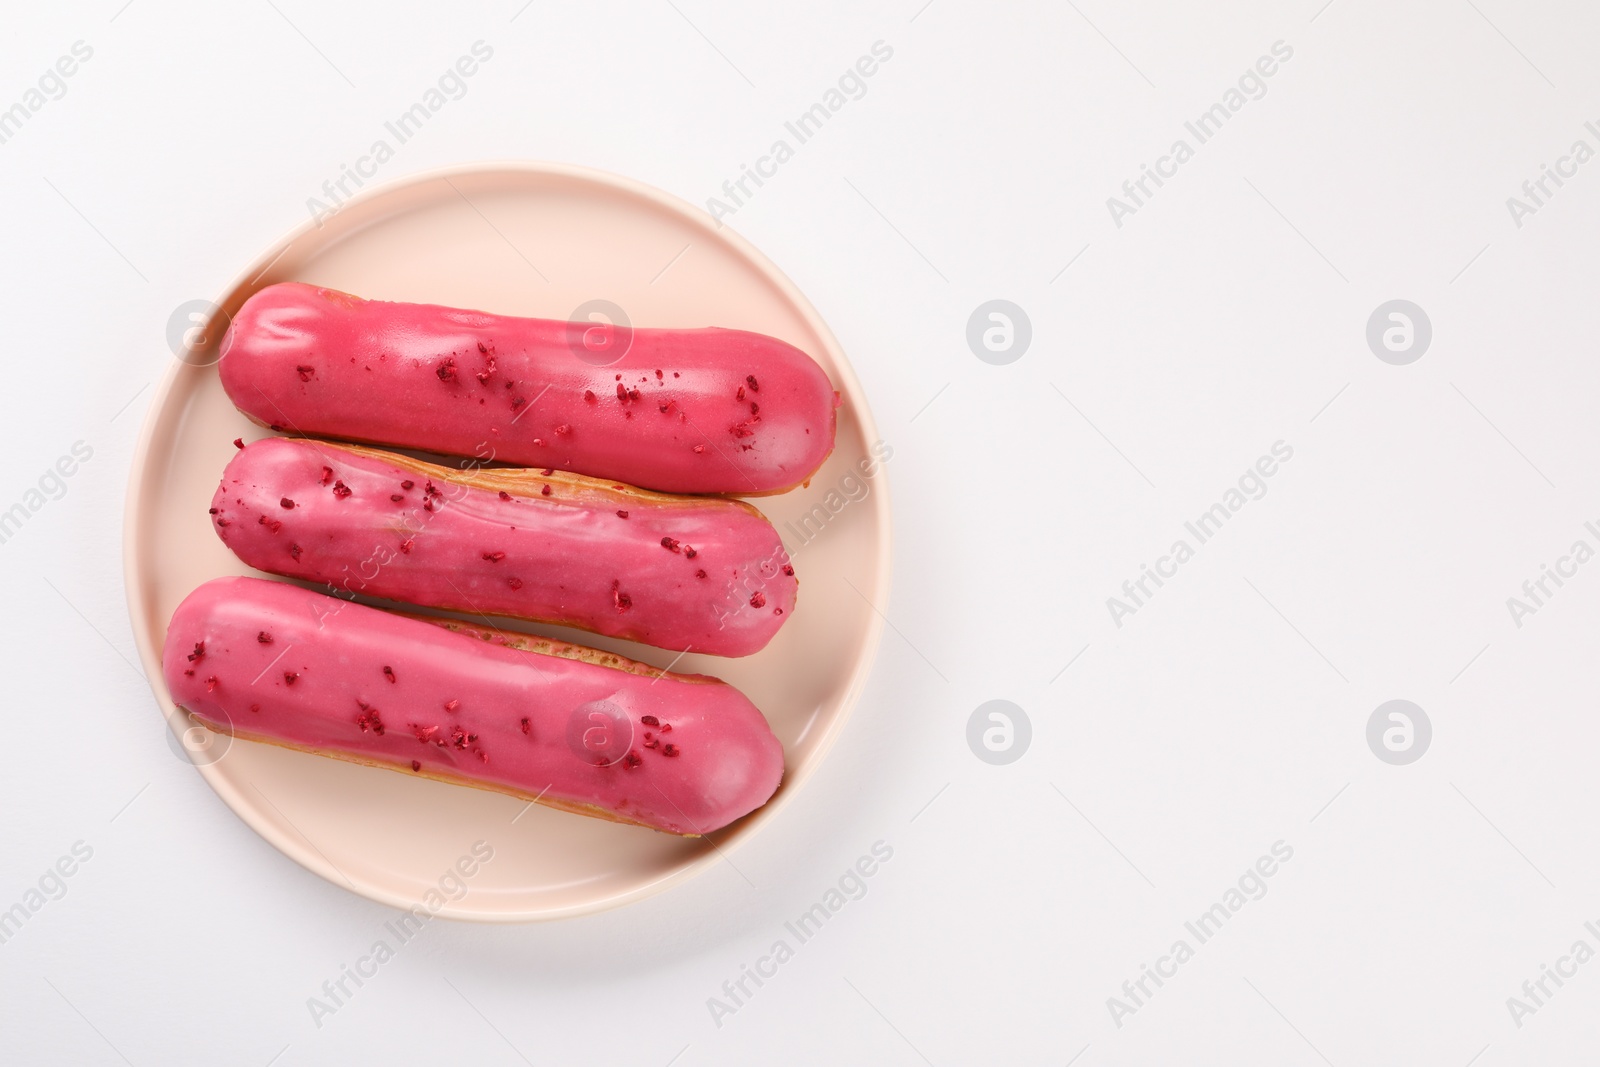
x: 540, y: 240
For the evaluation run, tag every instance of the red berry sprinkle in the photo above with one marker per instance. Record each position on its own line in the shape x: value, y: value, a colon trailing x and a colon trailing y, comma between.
x: 285, y: 503
x: 515, y: 583
x: 388, y: 672
x: 451, y: 705
x: 341, y: 490
x: 255, y: 707
x: 494, y: 557
x: 669, y: 749
x: 396, y: 497
x: 405, y: 546
x: 369, y: 720
x: 650, y: 720
x: 788, y: 569
x: 651, y: 742
x: 327, y: 475
x: 622, y: 600
x: 264, y: 637
x: 588, y: 395
x: 631, y: 760
x: 699, y: 449
x: 305, y: 372
x: 199, y: 651
x: 622, y: 391
x: 690, y: 552
x: 670, y: 544
x: 294, y: 551
x: 658, y: 375
x: 740, y: 394
x: 446, y: 370
x: 758, y: 600
x: 289, y: 677
x: 527, y: 727
x: 666, y: 727
x: 211, y: 683
x: 544, y: 491
x: 416, y: 765
x: 700, y: 574
x: 504, y: 495
x: 548, y: 471
x: 407, y: 484
x: 750, y: 380
x: 563, y: 429
x: 622, y: 514
x: 238, y: 442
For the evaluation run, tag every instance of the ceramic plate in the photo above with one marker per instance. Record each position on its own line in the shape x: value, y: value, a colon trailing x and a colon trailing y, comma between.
x: 538, y: 240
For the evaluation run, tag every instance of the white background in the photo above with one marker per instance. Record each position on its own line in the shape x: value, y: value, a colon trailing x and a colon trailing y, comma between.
x: 1229, y: 713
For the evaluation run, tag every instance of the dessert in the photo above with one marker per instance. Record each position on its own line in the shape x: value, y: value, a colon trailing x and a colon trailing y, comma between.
x: 570, y: 727
x: 677, y: 410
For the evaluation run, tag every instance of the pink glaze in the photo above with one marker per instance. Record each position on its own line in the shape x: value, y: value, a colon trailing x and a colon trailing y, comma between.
x: 280, y: 663
x: 705, y: 574
x: 683, y: 411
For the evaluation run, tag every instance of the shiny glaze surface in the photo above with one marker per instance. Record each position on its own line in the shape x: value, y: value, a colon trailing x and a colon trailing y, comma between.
x: 683, y: 411
x: 709, y: 575
x: 276, y: 662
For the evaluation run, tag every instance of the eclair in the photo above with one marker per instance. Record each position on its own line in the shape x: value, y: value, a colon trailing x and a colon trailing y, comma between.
x: 572, y: 728
x: 676, y: 410
x: 702, y: 574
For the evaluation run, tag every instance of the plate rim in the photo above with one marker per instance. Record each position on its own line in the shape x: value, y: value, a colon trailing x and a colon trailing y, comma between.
x: 310, y: 858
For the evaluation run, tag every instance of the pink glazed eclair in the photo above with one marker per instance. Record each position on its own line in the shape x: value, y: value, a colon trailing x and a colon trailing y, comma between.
x: 571, y: 727
x: 705, y: 574
x: 681, y: 411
